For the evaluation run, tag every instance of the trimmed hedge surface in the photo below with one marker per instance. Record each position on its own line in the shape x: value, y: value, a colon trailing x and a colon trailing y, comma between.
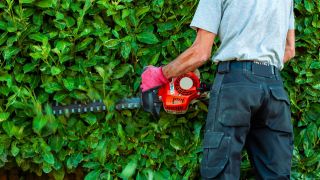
x: 65, y: 51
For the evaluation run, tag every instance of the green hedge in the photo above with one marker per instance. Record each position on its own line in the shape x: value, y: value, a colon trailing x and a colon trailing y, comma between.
x: 68, y: 51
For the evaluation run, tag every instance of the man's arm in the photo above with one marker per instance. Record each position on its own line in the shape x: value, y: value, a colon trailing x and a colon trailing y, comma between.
x: 193, y: 57
x: 290, y: 46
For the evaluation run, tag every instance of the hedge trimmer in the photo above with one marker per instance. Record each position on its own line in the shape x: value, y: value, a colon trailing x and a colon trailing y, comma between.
x: 174, y: 97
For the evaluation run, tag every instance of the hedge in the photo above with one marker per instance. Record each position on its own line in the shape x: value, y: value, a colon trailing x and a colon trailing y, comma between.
x: 65, y: 51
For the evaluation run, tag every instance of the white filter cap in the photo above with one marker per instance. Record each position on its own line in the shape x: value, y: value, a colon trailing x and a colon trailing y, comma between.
x: 186, y: 83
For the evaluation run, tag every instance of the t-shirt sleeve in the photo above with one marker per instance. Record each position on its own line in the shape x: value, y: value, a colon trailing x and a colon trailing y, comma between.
x: 291, y: 18
x: 208, y: 16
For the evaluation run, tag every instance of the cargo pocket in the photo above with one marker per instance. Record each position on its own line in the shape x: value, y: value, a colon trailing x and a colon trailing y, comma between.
x: 215, y: 154
x: 279, y: 94
x: 279, y: 115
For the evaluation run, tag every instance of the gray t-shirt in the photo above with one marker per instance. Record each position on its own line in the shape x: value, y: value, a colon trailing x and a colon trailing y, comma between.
x: 248, y: 30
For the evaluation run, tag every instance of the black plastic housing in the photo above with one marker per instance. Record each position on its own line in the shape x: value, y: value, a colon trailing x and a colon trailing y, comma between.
x: 151, y: 102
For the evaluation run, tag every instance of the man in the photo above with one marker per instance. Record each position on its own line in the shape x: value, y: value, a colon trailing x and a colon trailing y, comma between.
x: 248, y: 104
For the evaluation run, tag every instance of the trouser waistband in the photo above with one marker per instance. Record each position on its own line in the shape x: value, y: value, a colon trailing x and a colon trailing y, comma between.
x: 258, y: 68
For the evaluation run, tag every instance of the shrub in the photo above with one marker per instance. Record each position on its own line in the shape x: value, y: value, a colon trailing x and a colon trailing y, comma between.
x: 65, y: 51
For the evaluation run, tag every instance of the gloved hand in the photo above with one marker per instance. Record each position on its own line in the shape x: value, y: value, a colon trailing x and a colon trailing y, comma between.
x: 152, y: 77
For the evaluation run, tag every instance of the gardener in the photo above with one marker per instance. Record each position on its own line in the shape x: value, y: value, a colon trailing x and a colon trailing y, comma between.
x: 249, y: 106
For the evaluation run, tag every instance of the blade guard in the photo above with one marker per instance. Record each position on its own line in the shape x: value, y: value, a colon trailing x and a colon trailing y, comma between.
x: 151, y: 102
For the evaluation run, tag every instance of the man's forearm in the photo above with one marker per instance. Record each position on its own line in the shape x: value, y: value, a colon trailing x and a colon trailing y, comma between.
x: 193, y: 57
x: 186, y: 62
x: 290, y: 46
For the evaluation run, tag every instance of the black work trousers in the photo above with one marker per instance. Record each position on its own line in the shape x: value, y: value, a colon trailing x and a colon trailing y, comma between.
x: 249, y: 108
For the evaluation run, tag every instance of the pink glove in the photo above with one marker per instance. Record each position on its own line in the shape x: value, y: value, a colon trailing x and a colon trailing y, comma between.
x: 152, y: 77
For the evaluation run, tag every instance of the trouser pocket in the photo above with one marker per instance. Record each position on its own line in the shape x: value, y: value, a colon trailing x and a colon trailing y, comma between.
x: 215, y: 154
x: 278, y: 116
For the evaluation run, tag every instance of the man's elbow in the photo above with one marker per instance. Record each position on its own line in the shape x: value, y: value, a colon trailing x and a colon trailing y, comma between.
x: 289, y: 54
x: 292, y: 53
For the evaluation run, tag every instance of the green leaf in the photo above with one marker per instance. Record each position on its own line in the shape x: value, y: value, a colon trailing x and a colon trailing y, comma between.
x: 316, y: 86
x: 70, y: 21
x: 93, y: 175
x: 91, y: 165
x: 14, y: 149
x: 69, y: 83
x: 309, y: 5
x: 112, y: 43
x: 74, y: 160
x: 312, y: 133
x: 120, y: 132
x: 313, y: 160
x: 122, y: 70
x: 56, y: 143
x: 26, y: 1
x: 39, y: 37
x: 142, y: 10
x: 29, y: 67
x: 3, y: 37
x: 176, y: 144
x: 9, y: 127
x: 129, y: 170
x: 4, y: 116
x: 38, y: 123
x: 7, y: 78
x: 47, y: 168
x: 48, y: 157
x: 10, y: 51
x: 38, y: 19
x: 84, y: 44
x: 101, y: 151
x: 125, y: 13
x: 197, y: 129
x: 147, y: 37
x: 45, y: 3
x: 55, y: 70
x: 62, y: 45
x: 315, y: 65
x: 154, y: 59
x: 101, y: 71
x: 3, y: 25
x: 90, y: 118
x: 162, y: 27
x: 125, y: 50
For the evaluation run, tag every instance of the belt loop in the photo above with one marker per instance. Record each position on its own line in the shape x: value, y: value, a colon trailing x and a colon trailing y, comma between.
x: 245, y: 66
x: 273, y: 70
x: 224, y: 67
x: 277, y: 73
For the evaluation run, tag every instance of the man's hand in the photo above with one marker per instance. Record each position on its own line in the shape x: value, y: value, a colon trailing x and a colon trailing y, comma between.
x: 152, y: 77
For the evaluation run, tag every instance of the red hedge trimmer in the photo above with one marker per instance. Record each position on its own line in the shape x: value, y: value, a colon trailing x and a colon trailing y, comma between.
x: 174, y: 97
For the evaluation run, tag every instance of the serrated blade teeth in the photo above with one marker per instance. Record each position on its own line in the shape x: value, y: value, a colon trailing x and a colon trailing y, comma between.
x: 128, y: 103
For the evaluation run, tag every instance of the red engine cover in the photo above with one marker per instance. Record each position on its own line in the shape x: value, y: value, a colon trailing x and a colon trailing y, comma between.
x: 177, y: 95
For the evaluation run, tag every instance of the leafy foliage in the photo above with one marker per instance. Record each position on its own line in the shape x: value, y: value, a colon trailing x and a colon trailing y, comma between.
x: 69, y: 51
